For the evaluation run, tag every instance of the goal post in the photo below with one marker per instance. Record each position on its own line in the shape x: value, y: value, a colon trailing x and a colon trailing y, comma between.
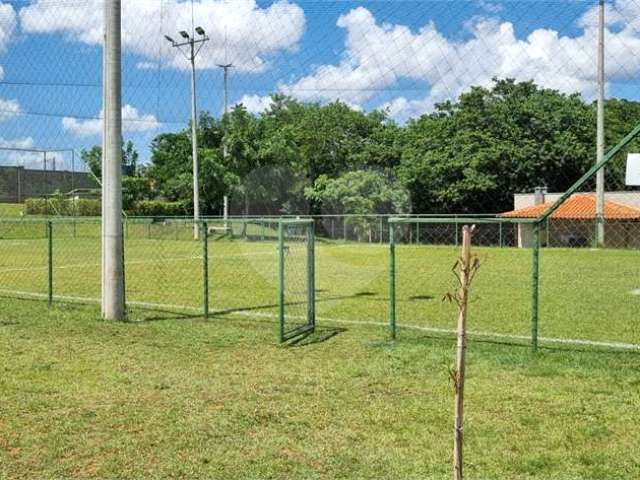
x: 296, y: 278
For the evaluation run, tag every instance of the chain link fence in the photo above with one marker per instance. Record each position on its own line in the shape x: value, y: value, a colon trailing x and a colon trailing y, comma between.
x: 584, y: 294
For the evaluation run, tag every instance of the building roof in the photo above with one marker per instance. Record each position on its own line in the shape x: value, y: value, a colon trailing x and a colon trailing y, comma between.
x: 578, y: 207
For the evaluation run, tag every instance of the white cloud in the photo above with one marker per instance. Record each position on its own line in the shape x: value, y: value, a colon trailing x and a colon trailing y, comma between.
x: 402, y: 109
x: 8, y: 109
x: 255, y: 103
x: 7, y: 27
x: 26, y: 159
x: 8, y: 23
x: 24, y: 142
x: 132, y: 121
x: 378, y: 55
x: 241, y: 31
x: 16, y: 157
x: 490, y: 7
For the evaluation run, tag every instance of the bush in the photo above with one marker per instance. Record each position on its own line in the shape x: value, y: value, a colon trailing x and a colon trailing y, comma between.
x: 88, y: 207
x: 67, y: 207
x: 158, y: 208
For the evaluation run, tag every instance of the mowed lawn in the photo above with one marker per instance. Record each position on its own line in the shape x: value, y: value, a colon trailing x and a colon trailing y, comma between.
x: 9, y: 210
x: 171, y: 396
x: 585, y: 294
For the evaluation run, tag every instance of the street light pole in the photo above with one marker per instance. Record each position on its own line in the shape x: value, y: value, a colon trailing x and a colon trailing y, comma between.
x: 194, y: 45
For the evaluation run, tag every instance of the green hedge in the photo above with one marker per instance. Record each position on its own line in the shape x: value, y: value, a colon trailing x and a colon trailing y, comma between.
x: 86, y: 207
x: 82, y: 207
x: 157, y: 208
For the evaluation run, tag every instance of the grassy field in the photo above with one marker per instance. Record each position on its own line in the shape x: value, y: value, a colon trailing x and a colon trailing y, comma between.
x: 171, y: 395
x: 11, y: 210
x: 176, y: 397
x: 584, y: 294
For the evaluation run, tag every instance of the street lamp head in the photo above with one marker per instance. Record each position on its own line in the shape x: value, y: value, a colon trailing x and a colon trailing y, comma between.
x: 200, y: 31
x: 169, y: 39
x: 184, y: 34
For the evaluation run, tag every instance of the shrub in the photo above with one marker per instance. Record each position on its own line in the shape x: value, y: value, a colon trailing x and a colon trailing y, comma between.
x: 67, y: 207
x: 158, y: 208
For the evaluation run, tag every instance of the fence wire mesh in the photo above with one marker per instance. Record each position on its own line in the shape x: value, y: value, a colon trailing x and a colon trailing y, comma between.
x: 425, y: 253
x: 395, y: 107
x: 410, y: 77
x: 296, y: 277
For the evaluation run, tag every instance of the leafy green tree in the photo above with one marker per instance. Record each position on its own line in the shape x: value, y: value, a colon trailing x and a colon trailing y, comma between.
x: 360, y: 193
x: 170, y: 171
x: 621, y: 116
x: 474, y: 154
x: 93, y: 159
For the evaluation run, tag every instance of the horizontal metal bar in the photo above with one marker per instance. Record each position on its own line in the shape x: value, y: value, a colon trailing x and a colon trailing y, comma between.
x: 461, y: 220
x: 296, y: 221
x: 590, y: 173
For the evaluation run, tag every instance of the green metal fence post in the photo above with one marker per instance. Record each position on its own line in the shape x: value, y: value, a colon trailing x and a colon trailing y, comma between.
x: 381, y: 230
x: 535, y: 286
x: 546, y: 228
x: 418, y: 232
x: 392, y: 281
x: 281, y: 279
x: 50, y: 262
x: 311, y: 276
x: 500, y: 234
x: 205, y: 269
x: 456, y: 227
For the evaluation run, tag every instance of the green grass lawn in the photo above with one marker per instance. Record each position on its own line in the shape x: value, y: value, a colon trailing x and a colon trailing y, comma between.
x: 11, y: 210
x: 584, y: 294
x: 171, y: 396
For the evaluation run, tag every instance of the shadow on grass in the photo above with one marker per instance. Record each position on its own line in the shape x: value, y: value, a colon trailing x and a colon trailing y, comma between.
x: 319, y: 335
x: 421, y: 297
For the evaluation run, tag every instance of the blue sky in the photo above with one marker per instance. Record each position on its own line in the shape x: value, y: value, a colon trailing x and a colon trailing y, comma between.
x: 399, y: 55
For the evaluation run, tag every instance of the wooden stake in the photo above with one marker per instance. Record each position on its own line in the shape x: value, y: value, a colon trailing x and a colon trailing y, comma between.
x: 465, y: 268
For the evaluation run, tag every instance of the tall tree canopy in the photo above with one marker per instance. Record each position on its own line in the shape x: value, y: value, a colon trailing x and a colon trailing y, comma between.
x: 468, y: 155
x: 474, y: 154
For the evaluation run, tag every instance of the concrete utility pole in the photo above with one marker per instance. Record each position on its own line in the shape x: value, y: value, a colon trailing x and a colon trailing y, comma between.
x: 113, y: 307
x: 600, y: 186
x: 191, y: 42
x: 226, y: 68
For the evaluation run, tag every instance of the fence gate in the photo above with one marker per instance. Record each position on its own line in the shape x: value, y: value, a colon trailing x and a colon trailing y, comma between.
x: 296, y: 278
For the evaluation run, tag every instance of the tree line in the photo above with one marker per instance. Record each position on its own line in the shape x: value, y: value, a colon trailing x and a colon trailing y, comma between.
x: 467, y: 156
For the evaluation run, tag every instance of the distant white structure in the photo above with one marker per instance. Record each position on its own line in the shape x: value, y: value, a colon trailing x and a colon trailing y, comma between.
x: 573, y: 224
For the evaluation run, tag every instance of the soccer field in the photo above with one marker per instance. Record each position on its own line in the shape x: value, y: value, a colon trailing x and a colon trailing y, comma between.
x: 172, y: 395
x: 585, y: 295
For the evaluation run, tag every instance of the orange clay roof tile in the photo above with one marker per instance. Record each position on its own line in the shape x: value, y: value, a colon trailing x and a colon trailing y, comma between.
x: 578, y: 207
